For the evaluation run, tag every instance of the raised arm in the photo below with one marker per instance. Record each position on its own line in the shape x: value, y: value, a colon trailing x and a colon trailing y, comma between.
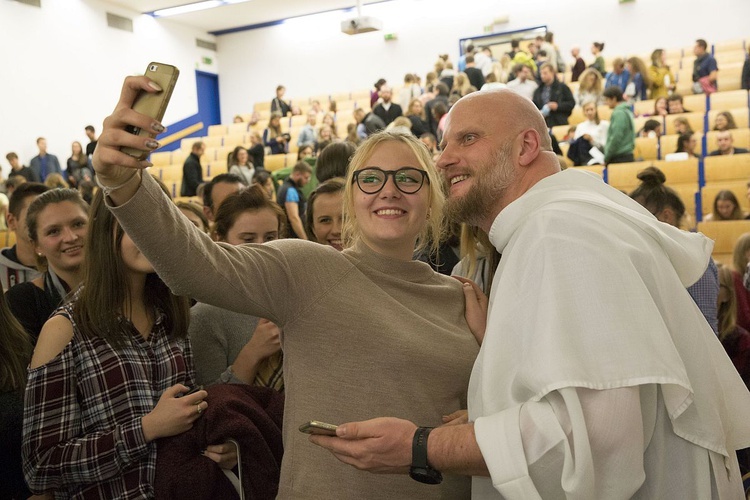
x: 250, y: 279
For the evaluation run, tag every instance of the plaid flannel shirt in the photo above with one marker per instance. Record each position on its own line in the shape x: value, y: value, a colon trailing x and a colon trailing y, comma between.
x: 82, y: 432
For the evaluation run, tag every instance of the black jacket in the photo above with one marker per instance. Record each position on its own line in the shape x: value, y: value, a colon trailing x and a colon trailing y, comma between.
x: 388, y: 116
x: 475, y: 77
x: 192, y: 175
x: 561, y: 94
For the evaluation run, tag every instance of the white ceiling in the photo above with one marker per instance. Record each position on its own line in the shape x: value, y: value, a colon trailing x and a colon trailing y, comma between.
x: 241, y: 14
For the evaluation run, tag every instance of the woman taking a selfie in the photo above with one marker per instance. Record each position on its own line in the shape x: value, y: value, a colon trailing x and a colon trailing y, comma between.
x: 100, y: 364
x: 366, y: 330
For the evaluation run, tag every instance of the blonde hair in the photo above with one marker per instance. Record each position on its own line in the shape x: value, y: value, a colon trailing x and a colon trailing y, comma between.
x: 433, y: 228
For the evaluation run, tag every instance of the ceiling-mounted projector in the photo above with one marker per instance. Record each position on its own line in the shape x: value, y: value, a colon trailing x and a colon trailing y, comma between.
x: 361, y: 24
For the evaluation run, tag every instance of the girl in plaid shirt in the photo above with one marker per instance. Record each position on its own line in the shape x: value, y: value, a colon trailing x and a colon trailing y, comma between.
x: 106, y: 377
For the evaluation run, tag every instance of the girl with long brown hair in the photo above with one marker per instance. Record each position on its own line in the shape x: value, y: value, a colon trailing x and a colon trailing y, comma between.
x: 100, y: 363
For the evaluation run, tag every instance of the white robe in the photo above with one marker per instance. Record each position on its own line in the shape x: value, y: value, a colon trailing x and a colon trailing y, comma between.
x: 599, y: 377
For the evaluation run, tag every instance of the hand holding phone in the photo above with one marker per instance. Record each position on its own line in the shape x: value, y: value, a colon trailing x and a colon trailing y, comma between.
x: 153, y: 104
x: 319, y: 428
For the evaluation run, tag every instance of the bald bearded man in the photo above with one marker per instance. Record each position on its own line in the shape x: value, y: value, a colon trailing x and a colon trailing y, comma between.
x: 598, y: 377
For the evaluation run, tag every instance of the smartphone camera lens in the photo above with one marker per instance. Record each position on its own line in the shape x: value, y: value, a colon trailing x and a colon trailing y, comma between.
x: 153, y: 67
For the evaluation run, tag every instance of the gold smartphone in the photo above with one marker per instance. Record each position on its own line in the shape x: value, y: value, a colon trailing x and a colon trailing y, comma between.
x: 153, y: 104
x: 315, y: 427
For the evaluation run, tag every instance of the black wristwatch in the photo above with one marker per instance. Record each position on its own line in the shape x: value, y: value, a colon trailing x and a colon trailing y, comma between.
x: 420, y: 470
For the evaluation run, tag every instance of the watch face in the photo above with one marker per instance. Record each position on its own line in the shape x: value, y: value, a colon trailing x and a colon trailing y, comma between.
x: 426, y: 476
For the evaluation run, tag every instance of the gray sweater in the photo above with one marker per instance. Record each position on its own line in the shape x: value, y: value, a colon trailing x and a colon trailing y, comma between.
x: 364, y: 336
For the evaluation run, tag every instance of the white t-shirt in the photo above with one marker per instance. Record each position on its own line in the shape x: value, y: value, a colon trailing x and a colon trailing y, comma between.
x: 525, y: 88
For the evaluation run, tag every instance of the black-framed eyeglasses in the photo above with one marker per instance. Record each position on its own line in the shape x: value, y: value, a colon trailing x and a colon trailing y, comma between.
x: 408, y: 180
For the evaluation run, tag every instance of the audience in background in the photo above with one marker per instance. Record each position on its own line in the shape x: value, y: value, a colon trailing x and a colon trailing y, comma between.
x: 386, y: 109
x: 44, y: 163
x: 240, y: 165
x: 619, y: 76
x: 686, y: 143
x: 56, y: 181
x: 217, y: 189
x: 308, y: 133
x: 325, y: 137
x: 278, y: 105
x: 705, y: 69
x: 588, y: 134
x: 324, y: 217
x: 192, y: 171
x: 726, y: 207
x: 660, y: 75
x: 578, y: 64
x: 375, y: 93
x: 598, y: 64
x: 411, y: 90
x: 553, y: 98
x: 590, y: 88
x: 661, y: 107
x: 18, y: 169
x: 415, y: 114
x: 91, y: 146
x: 263, y: 179
x: 57, y: 223
x: 329, y: 120
x: 638, y: 81
x: 78, y: 165
x: 273, y: 137
x: 194, y: 212
x: 292, y: 200
x: 333, y: 161
x: 675, y: 105
x: 652, y: 129
x: 18, y: 263
x: 621, y: 133
x: 725, y: 145
x: 229, y: 346
x: 524, y: 83
x: 256, y: 151
x: 724, y: 121
x: 682, y: 125
x: 474, y: 74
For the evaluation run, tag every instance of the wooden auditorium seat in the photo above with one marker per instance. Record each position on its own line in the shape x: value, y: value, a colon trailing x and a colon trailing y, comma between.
x: 217, y: 130
x: 274, y: 162
x: 727, y: 99
x: 725, y: 235
x: 726, y: 168
x: 709, y: 192
x: 646, y: 148
x: 740, y: 116
x: 695, y: 103
x: 729, y: 78
x: 740, y: 137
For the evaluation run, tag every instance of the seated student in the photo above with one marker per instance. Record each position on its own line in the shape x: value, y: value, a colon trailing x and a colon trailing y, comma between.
x: 15, y: 354
x: 665, y: 204
x: 652, y: 129
x: 57, y: 223
x: 675, y: 104
x: 415, y: 113
x: 102, y: 360
x: 682, y: 126
x: 324, y: 216
x: 241, y: 166
x: 588, y: 134
x: 686, y: 143
x: 325, y: 137
x: 725, y: 144
x: 230, y: 346
x: 590, y: 88
x: 18, y: 263
x: 726, y: 207
x: 724, y: 121
x: 273, y: 138
x: 661, y: 107
x: 56, y: 181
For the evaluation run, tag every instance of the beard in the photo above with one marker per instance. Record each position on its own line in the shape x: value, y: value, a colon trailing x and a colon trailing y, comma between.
x: 489, y: 184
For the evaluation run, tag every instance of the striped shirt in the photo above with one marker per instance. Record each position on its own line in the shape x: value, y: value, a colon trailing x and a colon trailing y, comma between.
x: 82, y: 432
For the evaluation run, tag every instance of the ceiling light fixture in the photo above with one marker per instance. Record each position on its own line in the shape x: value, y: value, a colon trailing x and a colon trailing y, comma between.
x: 192, y: 7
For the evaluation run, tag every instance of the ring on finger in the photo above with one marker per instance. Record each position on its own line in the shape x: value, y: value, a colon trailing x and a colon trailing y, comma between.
x: 200, y: 410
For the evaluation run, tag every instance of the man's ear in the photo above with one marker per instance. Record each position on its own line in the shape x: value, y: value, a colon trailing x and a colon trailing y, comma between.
x: 530, y: 143
x: 10, y: 219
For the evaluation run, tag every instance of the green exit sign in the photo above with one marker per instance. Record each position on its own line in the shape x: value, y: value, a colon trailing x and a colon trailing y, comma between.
x: 207, y: 61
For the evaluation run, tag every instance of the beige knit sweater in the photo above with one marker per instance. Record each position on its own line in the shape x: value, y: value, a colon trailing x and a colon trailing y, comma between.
x: 364, y: 336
